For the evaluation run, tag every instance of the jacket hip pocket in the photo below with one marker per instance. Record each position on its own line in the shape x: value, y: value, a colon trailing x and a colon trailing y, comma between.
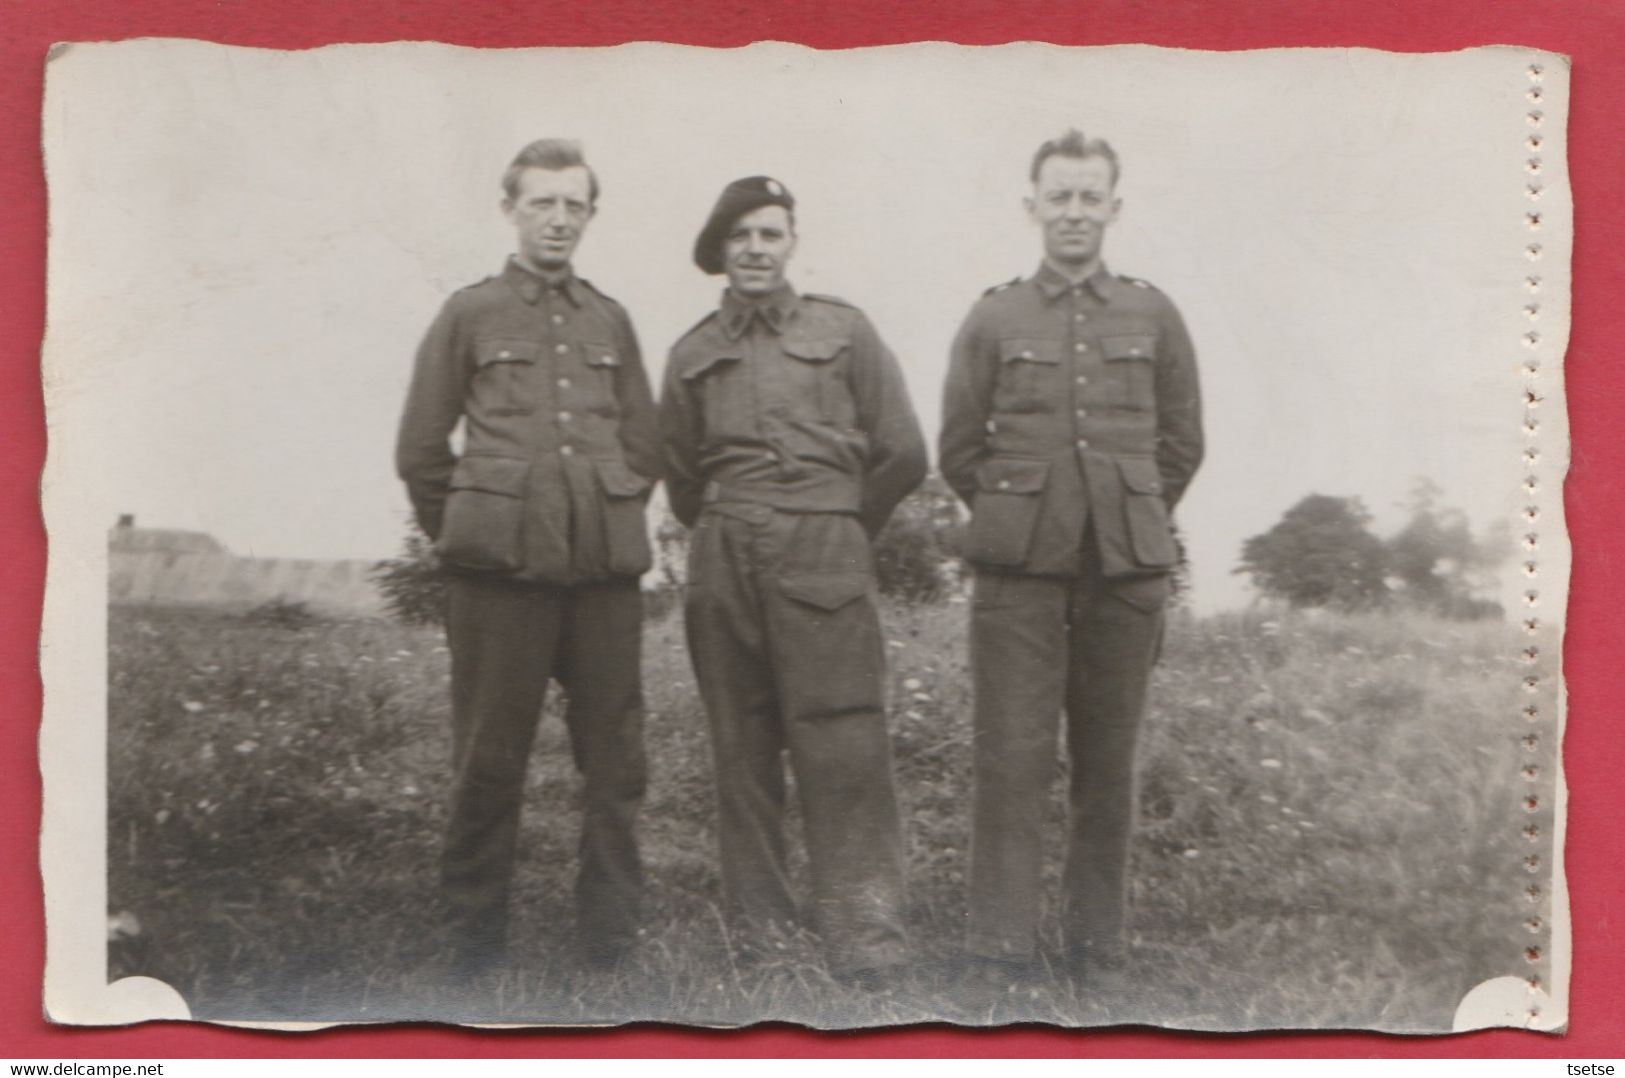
x: 1005, y: 513
x: 626, y: 536
x: 485, y: 514
x: 1146, y: 514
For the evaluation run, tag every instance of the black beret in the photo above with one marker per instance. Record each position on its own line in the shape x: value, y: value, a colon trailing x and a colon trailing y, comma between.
x: 738, y: 199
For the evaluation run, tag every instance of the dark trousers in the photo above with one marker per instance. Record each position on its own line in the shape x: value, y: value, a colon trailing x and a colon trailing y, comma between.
x: 1041, y: 646
x: 786, y: 644
x: 507, y: 640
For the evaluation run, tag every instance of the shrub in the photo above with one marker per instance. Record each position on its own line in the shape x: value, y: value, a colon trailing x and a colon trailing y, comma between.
x: 916, y: 553
x: 414, y: 584
x: 282, y: 613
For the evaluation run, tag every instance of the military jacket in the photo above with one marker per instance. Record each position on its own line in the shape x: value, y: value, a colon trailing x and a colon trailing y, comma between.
x: 1067, y: 405
x: 792, y: 402
x: 559, y: 430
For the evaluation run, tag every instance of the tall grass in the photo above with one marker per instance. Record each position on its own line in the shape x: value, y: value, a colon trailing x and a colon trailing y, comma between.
x: 1331, y: 833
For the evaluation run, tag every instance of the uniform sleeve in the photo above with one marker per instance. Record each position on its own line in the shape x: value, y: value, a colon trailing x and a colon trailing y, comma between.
x: 967, y: 401
x: 897, y: 455
x: 1179, y: 408
x: 639, y: 427
x: 434, y: 404
x: 681, y: 432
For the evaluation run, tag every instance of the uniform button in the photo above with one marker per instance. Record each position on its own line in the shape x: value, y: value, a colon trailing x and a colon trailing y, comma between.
x: 561, y: 349
x: 1134, y: 351
x: 1004, y: 484
x: 504, y: 354
x: 567, y: 450
x: 1080, y: 317
x: 1083, y: 443
x: 564, y: 417
x: 564, y: 383
x: 1024, y: 355
x: 992, y: 426
x: 1082, y: 414
x: 558, y: 320
x: 1082, y: 379
x: 1080, y: 347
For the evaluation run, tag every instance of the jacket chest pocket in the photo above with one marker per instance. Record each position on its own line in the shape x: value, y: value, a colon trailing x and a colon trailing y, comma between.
x: 599, y: 364
x: 721, y: 384
x: 1031, y: 377
x: 505, y: 375
x: 1131, y: 361
x: 815, y: 382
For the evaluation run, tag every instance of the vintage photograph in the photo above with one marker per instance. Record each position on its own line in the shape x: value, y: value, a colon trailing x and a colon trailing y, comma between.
x: 993, y: 535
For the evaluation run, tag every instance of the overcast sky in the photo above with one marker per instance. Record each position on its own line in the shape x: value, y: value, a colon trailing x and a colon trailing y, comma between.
x: 247, y: 245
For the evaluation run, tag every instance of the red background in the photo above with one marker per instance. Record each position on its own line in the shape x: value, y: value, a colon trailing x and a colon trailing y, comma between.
x: 1592, y: 32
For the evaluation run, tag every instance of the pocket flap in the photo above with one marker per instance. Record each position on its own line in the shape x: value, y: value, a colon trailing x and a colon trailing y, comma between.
x: 815, y: 350
x: 494, y: 475
x: 600, y: 355
x: 1148, y: 593
x: 1129, y: 346
x: 1030, y: 350
x: 489, y: 350
x: 1140, y: 475
x: 829, y: 590
x: 1013, y: 476
x: 706, y: 366
x: 619, y: 481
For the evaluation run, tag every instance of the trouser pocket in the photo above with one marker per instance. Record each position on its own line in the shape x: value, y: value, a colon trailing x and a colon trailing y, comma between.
x: 826, y: 643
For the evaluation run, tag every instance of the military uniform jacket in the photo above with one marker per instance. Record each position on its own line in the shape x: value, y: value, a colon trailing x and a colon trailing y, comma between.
x: 559, y: 432
x: 1067, y: 405
x: 792, y: 402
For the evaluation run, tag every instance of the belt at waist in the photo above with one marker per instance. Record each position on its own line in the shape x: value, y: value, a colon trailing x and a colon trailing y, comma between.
x: 833, y: 494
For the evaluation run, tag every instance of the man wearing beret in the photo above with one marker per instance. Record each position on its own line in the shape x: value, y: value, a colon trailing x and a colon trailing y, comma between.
x: 1071, y: 426
x: 541, y: 521
x: 788, y: 440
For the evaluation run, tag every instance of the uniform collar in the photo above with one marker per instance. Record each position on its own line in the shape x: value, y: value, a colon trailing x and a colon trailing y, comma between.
x: 1053, y: 284
x: 774, y: 310
x: 531, y: 286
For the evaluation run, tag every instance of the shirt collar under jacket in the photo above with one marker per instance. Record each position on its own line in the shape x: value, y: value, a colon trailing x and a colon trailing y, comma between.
x: 531, y: 285
x: 1053, y: 284
x: 774, y: 310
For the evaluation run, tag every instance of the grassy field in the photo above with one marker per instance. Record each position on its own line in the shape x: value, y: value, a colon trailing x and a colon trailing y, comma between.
x: 1332, y: 832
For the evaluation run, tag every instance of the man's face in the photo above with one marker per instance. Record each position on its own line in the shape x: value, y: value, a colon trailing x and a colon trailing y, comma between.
x: 550, y: 210
x: 757, y: 249
x: 1072, y: 203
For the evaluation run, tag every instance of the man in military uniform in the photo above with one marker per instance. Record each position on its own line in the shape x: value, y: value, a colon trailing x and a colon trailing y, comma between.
x: 788, y: 440
x: 541, y: 522
x: 1071, y: 426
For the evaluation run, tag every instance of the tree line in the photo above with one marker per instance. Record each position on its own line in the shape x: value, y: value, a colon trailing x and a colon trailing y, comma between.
x: 1321, y: 553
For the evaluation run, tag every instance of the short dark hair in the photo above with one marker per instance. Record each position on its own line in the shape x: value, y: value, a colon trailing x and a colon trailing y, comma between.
x: 553, y: 154
x: 1074, y: 144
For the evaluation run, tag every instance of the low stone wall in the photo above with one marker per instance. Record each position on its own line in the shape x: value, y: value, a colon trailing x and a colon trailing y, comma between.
x: 333, y: 587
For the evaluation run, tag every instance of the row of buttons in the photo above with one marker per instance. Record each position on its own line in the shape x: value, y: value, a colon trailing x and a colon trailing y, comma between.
x: 993, y: 427
x: 562, y: 349
x: 1080, y: 348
